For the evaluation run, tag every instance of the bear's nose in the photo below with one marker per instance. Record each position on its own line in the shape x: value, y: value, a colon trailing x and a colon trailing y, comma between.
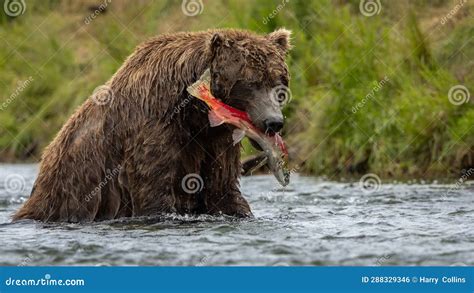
x: 273, y: 125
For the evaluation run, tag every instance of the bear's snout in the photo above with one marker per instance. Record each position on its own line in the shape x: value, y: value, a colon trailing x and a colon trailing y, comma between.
x: 273, y: 125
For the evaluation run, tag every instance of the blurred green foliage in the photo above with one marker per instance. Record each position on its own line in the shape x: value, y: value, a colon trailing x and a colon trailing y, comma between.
x: 343, y: 117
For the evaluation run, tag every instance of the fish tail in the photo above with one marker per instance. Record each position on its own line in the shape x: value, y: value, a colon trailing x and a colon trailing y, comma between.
x: 206, y: 77
x: 193, y: 90
x: 204, y: 80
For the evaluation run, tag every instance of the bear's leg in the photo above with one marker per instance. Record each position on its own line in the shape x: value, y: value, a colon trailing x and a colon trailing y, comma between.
x: 228, y: 201
x: 72, y: 175
x: 153, y: 164
x: 231, y: 203
x: 221, y: 176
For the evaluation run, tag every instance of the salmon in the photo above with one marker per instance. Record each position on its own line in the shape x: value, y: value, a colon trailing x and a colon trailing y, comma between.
x: 219, y: 113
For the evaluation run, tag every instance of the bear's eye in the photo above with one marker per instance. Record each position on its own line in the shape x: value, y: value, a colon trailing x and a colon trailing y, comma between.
x: 252, y: 85
x: 242, y: 89
x: 256, y: 85
x: 215, y: 75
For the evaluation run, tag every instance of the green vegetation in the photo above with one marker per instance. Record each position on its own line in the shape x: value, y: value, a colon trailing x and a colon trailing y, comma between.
x: 369, y: 93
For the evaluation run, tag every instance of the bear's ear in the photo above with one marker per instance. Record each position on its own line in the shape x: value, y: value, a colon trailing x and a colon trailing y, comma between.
x: 217, y: 41
x: 281, y: 38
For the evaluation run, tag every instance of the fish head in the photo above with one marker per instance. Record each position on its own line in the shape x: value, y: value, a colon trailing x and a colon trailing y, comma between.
x: 278, y: 164
x: 278, y: 160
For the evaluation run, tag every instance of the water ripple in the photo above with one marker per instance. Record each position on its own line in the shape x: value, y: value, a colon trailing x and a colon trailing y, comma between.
x: 311, y: 222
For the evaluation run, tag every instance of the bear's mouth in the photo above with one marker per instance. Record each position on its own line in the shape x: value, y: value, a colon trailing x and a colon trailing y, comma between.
x: 243, y: 106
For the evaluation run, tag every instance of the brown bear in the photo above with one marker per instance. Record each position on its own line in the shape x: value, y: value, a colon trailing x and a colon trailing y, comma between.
x: 141, y: 146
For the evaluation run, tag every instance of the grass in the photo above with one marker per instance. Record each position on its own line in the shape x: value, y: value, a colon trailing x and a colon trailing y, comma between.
x: 394, y: 68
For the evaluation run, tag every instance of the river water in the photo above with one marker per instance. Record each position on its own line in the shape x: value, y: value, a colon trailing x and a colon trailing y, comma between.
x: 310, y: 222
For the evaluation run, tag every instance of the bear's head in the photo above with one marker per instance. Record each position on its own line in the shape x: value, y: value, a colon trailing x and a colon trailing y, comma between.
x: 248, y: 72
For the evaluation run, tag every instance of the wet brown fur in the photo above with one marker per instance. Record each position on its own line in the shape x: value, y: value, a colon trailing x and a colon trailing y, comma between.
x: 129, y: 156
